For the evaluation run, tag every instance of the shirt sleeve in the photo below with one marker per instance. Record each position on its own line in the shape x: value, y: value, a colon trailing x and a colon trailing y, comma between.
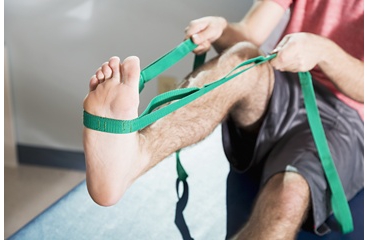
x: 285, y: 4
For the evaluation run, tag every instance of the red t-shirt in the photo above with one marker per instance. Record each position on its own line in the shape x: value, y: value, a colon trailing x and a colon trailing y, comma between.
x: 341, y: 21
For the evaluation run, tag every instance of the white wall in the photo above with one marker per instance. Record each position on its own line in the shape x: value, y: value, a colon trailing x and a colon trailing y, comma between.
x: 54, y: 47
x: 10, y: 153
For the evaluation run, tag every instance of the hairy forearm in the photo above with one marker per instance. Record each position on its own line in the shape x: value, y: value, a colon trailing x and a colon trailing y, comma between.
x: 232, y: 34
x: 345, y: 71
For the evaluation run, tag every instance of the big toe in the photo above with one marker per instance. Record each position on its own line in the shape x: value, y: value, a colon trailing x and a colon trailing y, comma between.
x: 130, y: 71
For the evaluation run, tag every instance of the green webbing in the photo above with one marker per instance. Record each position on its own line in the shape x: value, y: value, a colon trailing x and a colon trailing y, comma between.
x: 182, y: 174
x: 165, y: 62
x: 186, y: 95
x: 199, y: 60
x: 339, y: 202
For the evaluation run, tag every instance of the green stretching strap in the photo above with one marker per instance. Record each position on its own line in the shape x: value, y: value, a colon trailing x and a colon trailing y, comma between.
x: 339, y: 202
x: 166, y: 61
x: 182, y: 174
x: 186, y: 95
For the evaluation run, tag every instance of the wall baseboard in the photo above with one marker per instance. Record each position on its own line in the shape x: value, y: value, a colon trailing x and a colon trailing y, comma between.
x: 51, y: 157
x: 10, y: 148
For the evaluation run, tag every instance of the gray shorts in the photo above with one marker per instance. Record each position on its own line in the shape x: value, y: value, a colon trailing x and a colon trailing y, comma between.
x: 284, y: 143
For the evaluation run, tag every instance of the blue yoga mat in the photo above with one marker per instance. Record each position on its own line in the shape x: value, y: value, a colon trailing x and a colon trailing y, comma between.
x: 215, y: 205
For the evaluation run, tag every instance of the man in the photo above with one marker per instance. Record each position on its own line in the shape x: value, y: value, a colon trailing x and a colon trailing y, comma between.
x: 264, y: 122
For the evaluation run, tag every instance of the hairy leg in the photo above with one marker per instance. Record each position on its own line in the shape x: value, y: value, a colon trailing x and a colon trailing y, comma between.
x: 197, y: 120
x: 280, y: 209
x: 115, y: 161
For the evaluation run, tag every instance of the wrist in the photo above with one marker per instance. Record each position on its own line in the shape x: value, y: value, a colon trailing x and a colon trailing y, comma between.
x: 223, y: 23
x: 326, y: 49
x: 228, y: 35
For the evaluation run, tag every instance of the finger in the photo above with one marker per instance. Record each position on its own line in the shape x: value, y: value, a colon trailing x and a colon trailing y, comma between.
x: 204, y: 47
x: 195, y: 26
x: 283, y: 66
x: 197, y: 39
x: 281, y: 44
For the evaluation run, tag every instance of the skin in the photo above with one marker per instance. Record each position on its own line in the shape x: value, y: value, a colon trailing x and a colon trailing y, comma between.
x: 108, y: 176
x: 114, y: 162
x: 297, y: 52
x: 300, y: 52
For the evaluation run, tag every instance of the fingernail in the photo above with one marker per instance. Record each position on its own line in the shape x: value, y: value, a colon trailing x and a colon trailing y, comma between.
x: 275, y: 50
x: 195, y: 37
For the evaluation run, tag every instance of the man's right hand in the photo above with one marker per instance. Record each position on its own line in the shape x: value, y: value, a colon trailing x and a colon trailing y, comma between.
x: 255, y: 27
x: 205, y: 31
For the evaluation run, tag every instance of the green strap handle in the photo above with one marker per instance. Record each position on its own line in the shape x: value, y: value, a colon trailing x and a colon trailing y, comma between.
x: 339, y: 202
x: 165, y: 62
x: 187, y: 95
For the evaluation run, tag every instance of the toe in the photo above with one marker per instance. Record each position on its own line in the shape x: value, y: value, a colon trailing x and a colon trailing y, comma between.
x: 114, y: 64
x: 99, y: 75
x: 130, y: 71
x: 93, y: 83
x: 106, y: 70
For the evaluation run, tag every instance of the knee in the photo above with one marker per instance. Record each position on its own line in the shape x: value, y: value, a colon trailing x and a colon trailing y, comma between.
x: 292, y: 193
x: 242, y: 51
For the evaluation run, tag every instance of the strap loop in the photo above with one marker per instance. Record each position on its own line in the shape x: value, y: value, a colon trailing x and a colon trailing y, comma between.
x: 165, y: 62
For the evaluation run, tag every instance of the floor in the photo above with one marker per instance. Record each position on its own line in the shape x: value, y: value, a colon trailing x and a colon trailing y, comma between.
x: 153, y: 196
x: 28, y: 190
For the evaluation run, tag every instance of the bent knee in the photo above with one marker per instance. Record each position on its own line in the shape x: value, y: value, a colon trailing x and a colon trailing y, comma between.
x: 290, y: 182
x: 292, y: 190
x: 243, y: 51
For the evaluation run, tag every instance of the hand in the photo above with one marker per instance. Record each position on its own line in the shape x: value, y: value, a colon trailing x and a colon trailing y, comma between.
x: 298, y: 52
x: 205, y: 31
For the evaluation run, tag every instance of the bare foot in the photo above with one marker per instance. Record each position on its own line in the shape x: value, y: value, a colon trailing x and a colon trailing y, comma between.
x: 113, y: 161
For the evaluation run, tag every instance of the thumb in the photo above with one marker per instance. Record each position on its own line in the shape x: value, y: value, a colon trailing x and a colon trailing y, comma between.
x: 281, y: 44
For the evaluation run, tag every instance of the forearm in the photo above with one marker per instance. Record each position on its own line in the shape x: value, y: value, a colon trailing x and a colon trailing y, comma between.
x: 233, y: 33
x: 345, y: 71
x: 255, y: 27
